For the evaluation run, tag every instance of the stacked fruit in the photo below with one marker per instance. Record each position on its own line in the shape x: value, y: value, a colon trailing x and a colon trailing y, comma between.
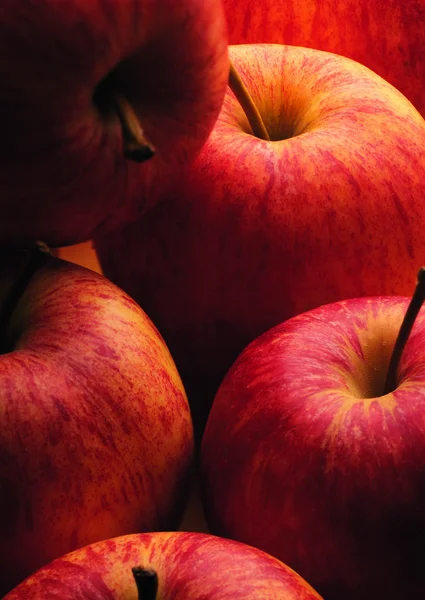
x: 269, y: 219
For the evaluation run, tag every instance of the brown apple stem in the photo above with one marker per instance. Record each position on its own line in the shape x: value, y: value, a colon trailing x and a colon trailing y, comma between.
x: 37, y: 258
x: 146, y: 583
x: 247, y: 103
x: 136, y: 145
x: 405, y: 329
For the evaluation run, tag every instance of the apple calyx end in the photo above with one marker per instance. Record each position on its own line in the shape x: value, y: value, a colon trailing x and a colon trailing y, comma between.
x: 146, y: 582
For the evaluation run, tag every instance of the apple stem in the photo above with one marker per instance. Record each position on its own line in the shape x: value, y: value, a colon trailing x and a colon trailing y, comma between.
x: 405, y: 329
x: 136, y: 145
x: 146, y: 582
x: 36, y: 260
x: 247, y: 103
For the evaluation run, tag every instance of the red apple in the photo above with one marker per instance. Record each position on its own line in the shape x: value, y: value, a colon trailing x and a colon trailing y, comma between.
x: 309, y: 455
x: 69, y: 70
x: 258, y: 231
x: 171, y: 566
x: 96, y: 436
x: 387, y: 37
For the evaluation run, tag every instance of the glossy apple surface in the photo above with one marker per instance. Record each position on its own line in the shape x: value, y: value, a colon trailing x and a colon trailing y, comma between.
x: 305, y: 457
x: 259, y: 231
x: 191, y: 566
x: 96, y: 436
x: 63, y: 174
x: 388, y: 37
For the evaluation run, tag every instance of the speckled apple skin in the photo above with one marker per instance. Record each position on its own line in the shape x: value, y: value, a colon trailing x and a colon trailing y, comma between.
x: 387, y: 37
x: 63, y: 174
x: 96, y: 435
x: 190, y: 566
x: 305, y: 458
x: 260, y: 231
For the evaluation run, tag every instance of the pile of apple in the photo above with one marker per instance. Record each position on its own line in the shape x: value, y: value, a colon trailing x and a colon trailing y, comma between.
x: 258, y: 212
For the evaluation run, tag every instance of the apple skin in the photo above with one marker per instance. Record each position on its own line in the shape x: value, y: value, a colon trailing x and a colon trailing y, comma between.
x: 63, y: 174
x: 388, y: 37
x: 314, y: 464
x: 259, y: 231
x: 189, y: 565
x: 96, y: 434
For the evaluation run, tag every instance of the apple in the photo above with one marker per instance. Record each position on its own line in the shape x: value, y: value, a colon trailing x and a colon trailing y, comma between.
x: 258, y: 231
x: 96, y: 434
x: 172, y: 565
x: 314, y: 450
x: 388, y: 37
x: 88, y: 85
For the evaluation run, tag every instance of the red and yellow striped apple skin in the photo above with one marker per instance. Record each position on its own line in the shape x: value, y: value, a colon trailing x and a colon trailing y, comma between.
x: 304, y: 457
x: 388, y: 37
x: 96, y: 435
x: 191, y: 566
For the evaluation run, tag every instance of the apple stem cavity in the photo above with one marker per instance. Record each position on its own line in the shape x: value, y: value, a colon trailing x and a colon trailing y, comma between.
x: 146, y: 583
x: 247, y: 103
x: 136, y: 145
x: 37, y: 259
x: 405, y: 329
